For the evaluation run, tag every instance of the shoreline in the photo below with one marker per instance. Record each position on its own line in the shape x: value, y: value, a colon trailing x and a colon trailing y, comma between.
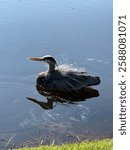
x: 101, y: 144
x: 52, y: 140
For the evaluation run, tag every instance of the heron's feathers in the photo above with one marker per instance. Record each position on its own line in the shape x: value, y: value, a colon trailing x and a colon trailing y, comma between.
x: 65, y: 68
x: 67, y: 78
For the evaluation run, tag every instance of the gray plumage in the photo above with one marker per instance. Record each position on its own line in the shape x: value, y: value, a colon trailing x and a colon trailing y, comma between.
x: 63, y: 77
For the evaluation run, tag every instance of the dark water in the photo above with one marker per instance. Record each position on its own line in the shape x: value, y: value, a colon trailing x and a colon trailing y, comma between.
x: 77, y: 32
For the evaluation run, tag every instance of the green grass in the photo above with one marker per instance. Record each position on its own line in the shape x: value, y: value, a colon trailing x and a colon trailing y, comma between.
x: 105, y: 144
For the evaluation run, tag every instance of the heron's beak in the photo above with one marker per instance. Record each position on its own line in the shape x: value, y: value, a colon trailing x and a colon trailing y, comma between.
x: 35, y: 58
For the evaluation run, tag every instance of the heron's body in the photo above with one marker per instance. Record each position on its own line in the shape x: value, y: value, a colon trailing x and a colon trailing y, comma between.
x: 63, y: 77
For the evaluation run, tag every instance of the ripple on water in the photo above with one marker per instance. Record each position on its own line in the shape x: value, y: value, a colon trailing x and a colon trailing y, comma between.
x: 20, y: 117
x: 16, y: 111
x: 13, y: 104
x: 97, y: 61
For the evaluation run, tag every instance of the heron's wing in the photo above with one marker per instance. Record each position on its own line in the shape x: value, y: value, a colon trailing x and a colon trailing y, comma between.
x: 68, y: 81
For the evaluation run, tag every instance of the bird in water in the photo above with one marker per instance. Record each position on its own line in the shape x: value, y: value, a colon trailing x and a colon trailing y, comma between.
x: 63, y: 78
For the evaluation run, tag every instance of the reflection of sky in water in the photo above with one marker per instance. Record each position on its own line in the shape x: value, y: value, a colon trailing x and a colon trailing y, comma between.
x: 76, y: 32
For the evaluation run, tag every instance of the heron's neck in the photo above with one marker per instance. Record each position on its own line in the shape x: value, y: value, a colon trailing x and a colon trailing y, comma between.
x: 51, y: 68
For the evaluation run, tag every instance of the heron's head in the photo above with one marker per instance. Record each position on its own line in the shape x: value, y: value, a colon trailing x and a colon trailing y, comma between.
x: 48, y: 59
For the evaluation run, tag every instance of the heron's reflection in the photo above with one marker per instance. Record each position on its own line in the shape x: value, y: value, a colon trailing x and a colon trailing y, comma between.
x: 63, y: 97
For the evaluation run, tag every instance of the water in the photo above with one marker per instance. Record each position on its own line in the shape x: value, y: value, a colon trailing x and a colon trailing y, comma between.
x: 77, y: 32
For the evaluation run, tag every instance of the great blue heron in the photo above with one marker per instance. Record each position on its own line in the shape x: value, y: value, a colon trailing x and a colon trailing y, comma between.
x: 63, y: 77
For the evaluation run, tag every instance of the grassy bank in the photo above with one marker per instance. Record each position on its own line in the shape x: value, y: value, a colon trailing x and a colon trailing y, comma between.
x: 105, y: 144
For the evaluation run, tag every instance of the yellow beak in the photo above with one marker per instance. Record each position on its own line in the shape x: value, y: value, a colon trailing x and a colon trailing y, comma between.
x: 35, y: 58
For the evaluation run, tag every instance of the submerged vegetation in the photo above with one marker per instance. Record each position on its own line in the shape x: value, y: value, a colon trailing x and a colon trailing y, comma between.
x: 105, y: 144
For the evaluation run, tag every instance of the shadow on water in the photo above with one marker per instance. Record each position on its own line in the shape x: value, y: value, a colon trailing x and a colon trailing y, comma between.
x: 64, y: 97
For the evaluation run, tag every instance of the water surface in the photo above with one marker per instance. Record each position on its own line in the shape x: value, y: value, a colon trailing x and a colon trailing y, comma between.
x: 77, y: 32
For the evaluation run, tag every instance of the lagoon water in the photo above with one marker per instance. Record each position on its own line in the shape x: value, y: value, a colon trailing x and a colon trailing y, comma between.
x: 77, y: 32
